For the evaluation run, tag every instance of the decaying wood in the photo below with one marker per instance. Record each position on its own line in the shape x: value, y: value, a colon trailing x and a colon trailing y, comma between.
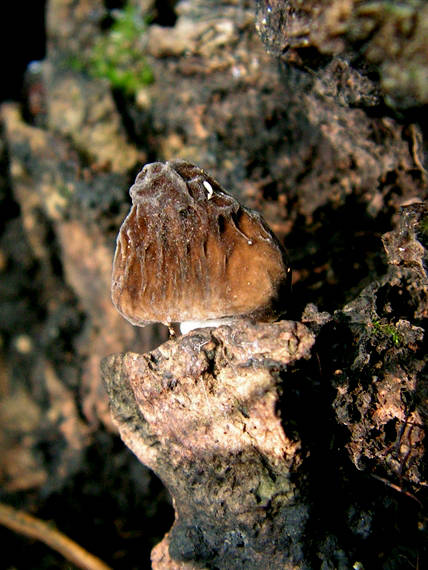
x: 202, y: 412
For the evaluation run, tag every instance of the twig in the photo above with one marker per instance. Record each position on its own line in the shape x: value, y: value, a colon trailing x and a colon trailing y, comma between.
x: 35, y: 528
x: 396, y: 488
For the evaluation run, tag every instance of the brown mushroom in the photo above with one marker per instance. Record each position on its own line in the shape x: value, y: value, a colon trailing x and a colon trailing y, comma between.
x: 188, y: 251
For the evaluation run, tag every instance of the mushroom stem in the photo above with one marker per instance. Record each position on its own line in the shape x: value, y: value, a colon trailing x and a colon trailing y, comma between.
x: 188, y: 326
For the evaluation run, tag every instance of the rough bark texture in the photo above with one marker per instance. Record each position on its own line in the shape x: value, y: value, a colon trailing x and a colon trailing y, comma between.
x: 310, y: 113
x: 382, y: 396
x: 201, y: 411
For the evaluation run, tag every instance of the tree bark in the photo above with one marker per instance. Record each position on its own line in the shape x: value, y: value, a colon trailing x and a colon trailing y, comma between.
x: 311, y: 113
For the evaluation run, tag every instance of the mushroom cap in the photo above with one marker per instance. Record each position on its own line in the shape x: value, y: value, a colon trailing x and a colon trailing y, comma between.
x: 188, y: 251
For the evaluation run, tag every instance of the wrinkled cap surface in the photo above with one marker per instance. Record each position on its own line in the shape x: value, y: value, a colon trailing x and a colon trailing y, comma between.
x: 188, y: 251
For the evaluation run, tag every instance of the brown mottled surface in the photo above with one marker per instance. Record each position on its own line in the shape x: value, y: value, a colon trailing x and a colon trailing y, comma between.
x: 390, y: 37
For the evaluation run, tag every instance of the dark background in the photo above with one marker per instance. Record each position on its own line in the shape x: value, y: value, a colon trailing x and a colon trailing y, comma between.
x: 23, y: 40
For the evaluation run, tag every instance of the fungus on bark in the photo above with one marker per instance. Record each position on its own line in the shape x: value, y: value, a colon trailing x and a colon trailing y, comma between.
x: 202, y: 410
x: 189, y: 253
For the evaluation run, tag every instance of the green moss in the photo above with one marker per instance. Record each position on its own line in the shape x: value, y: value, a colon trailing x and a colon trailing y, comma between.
x: 381, y: 328
x: 118, y: 55
x: 75, y: 63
